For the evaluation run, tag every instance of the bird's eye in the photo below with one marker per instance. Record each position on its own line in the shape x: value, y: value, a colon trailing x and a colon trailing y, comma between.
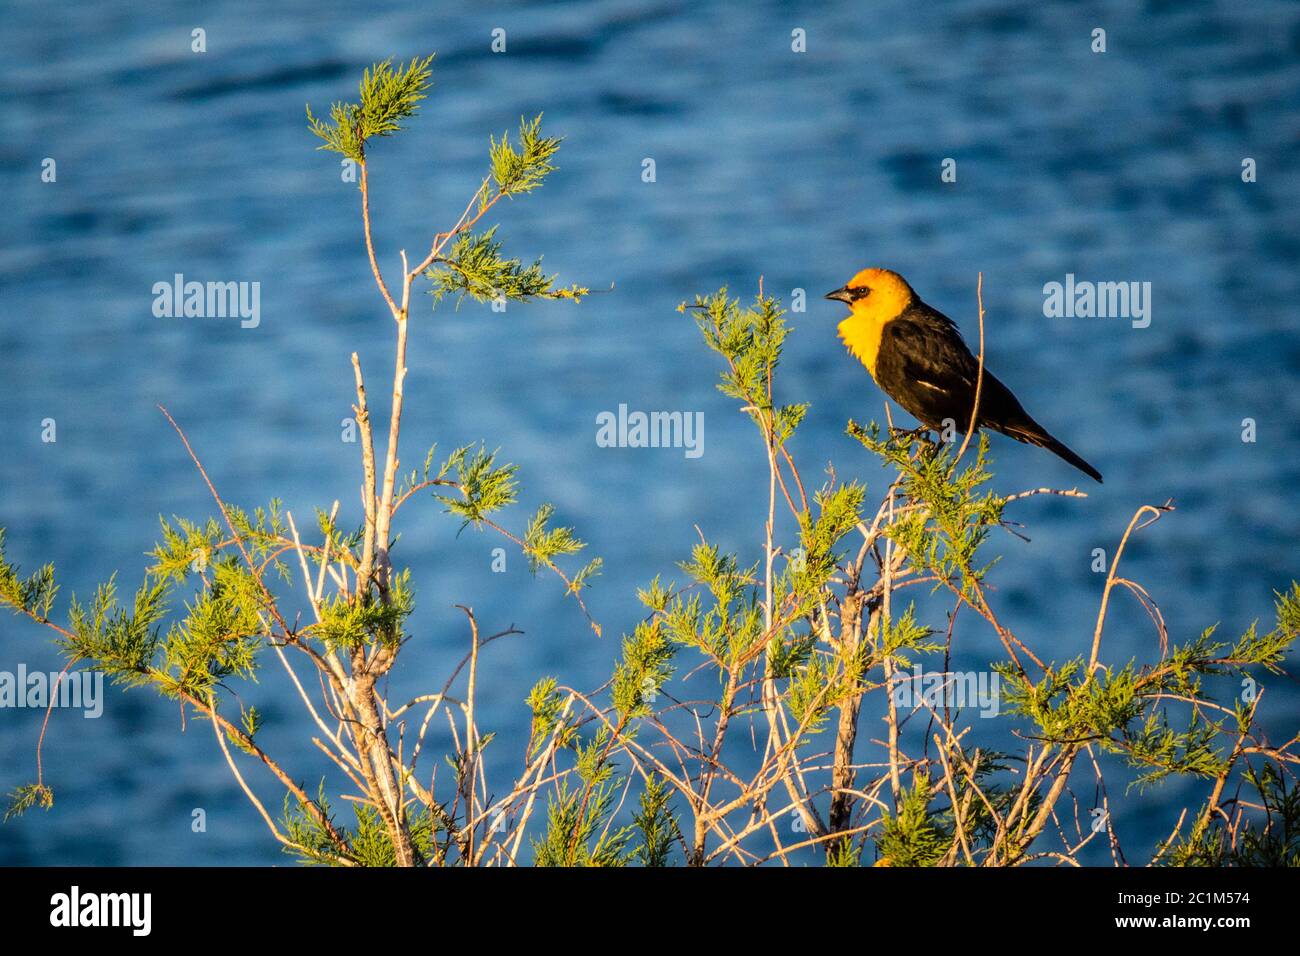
x: 861, y: 293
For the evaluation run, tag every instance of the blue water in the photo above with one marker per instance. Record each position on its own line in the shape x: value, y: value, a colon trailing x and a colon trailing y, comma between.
x: 801, y: 168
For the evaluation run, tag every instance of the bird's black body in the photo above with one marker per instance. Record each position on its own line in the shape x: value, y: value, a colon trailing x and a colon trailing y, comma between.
x: 925, y: 366
x: 918, y: 358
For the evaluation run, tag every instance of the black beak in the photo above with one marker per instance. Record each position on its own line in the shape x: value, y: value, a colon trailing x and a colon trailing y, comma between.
x: 841, y: 294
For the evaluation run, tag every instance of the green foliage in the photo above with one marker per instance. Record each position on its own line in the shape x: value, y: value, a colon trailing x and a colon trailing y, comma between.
x: 952, y: 517
x: 475, y: 267
x: 348, y: 624
x: 311, y: 842
x: 515, y: 172
x: 368, y: 843
x: 1071, y: 704
x: 731, y: 627
x: 814, y: 689
x: 1272, y: 839
x: 914, y: 836
x: 33, y: 595
x: 339, y: 543
x: 185, y: 548
x: 839, y: 511
x: 655, y: 596
x: 388, y: 96
x: 1288, y: 611
x: 1166, y: 751
x: 250, y: 719
x: 750, y: 340
x: 656, y: 823
x: 981, y: 824
x: 1268, y: 650
x: 27, y: 796
x: 585, y: 574
x: 1276, y: 842
x: 578, y: 827
x: 373, y: 846
x: 641, y: 674
x: 121, y: 643
x: 220, y: 636
x: 189, y: 547
x: 263, y: 535
x: 543, y: 545
x: 1123, y: 710
x: 546, y: 705
x: 844, y: 853
x: 787, y: 657
x: 484, y: 486
x: 904, y: 634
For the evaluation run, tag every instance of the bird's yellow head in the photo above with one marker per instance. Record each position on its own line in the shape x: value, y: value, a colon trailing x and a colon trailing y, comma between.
x: 874, y: 297
x: 878, y: 293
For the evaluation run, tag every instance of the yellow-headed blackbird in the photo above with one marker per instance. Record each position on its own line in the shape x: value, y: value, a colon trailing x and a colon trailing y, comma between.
x: 917, y: 357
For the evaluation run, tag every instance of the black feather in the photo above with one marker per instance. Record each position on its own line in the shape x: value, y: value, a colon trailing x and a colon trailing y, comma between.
x: 925, y: 366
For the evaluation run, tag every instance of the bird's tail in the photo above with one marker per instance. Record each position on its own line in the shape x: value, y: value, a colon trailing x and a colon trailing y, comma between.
x: 1035, y: 434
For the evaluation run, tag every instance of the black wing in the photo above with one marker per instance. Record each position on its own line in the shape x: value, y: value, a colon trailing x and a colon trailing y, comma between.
x: 925, y: 366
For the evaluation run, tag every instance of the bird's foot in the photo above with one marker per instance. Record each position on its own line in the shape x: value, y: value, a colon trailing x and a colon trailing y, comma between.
x: 922, y: 433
